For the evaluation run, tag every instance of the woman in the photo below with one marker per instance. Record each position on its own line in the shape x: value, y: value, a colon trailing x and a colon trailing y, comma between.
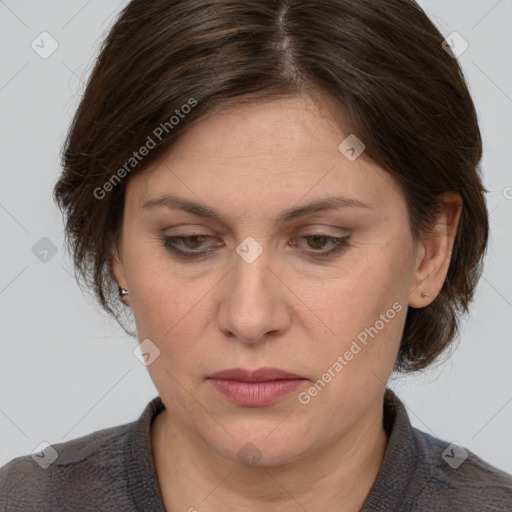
x: 285, y: 194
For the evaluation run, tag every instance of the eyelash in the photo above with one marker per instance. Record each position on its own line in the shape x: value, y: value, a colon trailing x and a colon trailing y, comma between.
x: 340, y: 243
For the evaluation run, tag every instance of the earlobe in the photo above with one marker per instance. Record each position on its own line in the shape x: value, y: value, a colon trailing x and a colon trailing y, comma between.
x: 434, y: 255
x: 118, y: 271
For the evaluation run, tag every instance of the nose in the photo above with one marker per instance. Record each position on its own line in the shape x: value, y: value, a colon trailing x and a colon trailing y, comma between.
x: 254, y: 303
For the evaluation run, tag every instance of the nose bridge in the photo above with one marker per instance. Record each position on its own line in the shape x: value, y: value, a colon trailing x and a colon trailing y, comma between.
x: 251, y: 279
x: 250, y: 307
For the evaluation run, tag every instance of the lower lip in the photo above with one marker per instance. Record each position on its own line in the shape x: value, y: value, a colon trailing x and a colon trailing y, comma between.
x: 256, y: 394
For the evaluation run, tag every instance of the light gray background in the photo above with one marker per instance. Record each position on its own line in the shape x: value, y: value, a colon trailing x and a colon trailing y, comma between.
x: 66, y: 370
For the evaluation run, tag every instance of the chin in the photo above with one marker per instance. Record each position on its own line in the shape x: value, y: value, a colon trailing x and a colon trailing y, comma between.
x: 260, y: 450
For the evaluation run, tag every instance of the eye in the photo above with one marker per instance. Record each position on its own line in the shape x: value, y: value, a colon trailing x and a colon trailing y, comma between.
x: 192, y: 246
x: 318, y: 241
x: 188, y: 242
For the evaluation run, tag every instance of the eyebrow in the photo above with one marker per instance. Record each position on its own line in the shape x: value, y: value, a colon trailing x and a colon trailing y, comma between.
x: 174, y: 202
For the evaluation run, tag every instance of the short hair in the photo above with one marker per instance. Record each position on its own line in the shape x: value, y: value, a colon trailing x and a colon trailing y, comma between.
x: 167, y: 64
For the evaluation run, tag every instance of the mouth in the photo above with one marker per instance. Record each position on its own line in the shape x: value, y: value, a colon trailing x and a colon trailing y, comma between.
x: 256, y: 388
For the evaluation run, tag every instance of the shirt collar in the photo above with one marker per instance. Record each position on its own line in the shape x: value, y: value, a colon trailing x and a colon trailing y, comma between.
x: 401, y: 466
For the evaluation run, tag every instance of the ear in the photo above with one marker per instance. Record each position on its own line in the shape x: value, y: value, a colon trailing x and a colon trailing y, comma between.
x: 434, y: 253
x: 118, y: 269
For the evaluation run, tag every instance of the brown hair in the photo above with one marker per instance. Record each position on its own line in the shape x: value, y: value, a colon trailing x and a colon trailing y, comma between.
x: 381, y: 61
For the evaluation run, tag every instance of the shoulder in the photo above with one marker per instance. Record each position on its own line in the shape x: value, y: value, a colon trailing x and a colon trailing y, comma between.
x: 74, y: 469
x: 458, y: 479
x: 422, y: 472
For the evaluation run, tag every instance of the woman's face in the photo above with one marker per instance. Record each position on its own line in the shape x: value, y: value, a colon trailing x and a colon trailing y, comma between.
x: 255, y: 288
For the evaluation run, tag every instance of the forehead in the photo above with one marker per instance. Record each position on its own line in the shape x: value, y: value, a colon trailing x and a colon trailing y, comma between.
x: 268, y: 152
x: 297, y: 125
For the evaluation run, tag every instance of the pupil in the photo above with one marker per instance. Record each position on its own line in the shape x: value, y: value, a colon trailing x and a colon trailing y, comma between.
x: 195, y: 238
x: 316, y: 239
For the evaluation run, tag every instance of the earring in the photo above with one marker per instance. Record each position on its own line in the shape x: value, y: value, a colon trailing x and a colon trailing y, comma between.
x: 123, y: 292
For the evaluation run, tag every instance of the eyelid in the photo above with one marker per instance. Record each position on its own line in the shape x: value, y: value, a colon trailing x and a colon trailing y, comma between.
x: 340, y: 243
x: 191, y: 230
x: 185, y: 231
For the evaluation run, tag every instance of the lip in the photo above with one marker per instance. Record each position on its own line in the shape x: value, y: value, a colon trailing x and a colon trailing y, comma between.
x: 255, y: 388
x: 259, y: 375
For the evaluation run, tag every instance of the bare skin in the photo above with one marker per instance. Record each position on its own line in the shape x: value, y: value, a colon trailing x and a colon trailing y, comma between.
x: 289, y: 308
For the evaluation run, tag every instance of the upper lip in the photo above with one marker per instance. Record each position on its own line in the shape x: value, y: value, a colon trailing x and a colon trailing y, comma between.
x: 258, y: 375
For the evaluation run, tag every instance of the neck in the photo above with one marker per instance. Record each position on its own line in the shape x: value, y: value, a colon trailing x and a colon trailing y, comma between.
x: 193, y: 477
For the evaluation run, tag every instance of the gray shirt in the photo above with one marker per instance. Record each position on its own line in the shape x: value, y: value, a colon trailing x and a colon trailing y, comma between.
x: 112, y: 470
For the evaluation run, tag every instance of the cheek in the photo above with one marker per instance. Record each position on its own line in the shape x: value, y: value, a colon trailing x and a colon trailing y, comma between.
x: 168, y: 310
x: 367, y: 305
x: 164, y: 305
x: 173, y: 308
x: 159, y: 297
